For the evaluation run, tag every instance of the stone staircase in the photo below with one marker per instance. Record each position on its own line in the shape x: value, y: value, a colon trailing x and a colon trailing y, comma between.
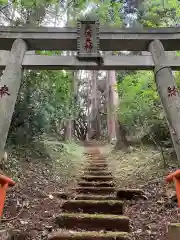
x: 95, y: 213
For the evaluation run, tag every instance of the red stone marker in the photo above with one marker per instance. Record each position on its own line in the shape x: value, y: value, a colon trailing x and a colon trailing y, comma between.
x: 175, y: 176
x: 5, y: 182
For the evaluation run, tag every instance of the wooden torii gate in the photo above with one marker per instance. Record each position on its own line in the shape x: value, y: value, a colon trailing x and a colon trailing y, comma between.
x: 14, y: 57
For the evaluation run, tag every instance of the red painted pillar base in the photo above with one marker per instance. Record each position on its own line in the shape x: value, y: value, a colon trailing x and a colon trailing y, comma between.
x: 5, y: 182
x: 175, y: 176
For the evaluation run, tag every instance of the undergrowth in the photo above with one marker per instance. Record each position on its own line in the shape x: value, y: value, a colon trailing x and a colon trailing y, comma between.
x: 137, y: 168
x: 64, y: 160
x: 67, y: 159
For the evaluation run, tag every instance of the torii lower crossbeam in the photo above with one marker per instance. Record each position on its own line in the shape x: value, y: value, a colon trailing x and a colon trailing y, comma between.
x: 32, y: 61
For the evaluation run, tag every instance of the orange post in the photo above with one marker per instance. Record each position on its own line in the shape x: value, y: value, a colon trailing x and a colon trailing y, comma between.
x: 175, y: 176
x: 5, y: 182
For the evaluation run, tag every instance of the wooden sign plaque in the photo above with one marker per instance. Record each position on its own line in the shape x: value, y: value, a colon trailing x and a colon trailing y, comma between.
x: 88, y: 39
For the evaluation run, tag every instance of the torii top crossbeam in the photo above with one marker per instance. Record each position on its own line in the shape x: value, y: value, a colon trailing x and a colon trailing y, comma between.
x: 111, y: 39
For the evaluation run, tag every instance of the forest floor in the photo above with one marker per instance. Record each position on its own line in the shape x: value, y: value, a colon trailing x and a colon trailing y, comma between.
x: 31, y: 205
x: 144, y: 169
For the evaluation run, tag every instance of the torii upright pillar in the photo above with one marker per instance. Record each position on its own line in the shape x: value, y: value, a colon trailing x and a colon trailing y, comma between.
x: 9, y: 88
x: 168, y: 92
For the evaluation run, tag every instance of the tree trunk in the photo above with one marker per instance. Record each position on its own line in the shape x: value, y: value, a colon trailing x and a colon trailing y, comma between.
x: 75, y: 98
x: 111, y: 105
x: 121, y: 142
x: 94, y: 122
x: 88, y: 113
x: 115, y: 129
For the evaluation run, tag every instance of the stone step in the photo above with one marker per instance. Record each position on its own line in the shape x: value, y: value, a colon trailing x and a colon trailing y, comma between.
x: 95, y: 156
x: 94, y: 197
x: 98, y: 165
x: 96, y: 184
x: 98, y: 173
x: 90, y: 178
x: 95, y: 190
x: 97, y: 162
x: 94, y: 206
x: 94, y: 153
x: 73, y: 235
x: 129, y: 194
x: 94, y: 169
x: 93, y: 222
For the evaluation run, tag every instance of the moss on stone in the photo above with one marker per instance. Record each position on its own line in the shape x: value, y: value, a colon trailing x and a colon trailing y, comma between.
x: 175, y: 224
x: 95, y: 197
x: 109, y: 202
x: 102, y: 177
x: 92, y: 234
x: 92, y: 216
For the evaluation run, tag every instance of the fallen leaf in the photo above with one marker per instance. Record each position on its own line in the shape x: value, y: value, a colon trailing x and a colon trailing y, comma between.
x: 51, y: 196
x: 23, y: 222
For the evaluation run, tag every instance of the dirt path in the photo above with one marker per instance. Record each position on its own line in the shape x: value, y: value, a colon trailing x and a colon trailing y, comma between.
x: 95, y: 213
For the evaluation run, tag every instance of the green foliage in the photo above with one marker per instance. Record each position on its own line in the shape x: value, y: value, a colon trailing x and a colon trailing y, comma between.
x: 140, y: 105
x: 108, y: 13
x: 43, y: 101
x: 3, y: 2
x: 46, y: 98
x: 158, y: 13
